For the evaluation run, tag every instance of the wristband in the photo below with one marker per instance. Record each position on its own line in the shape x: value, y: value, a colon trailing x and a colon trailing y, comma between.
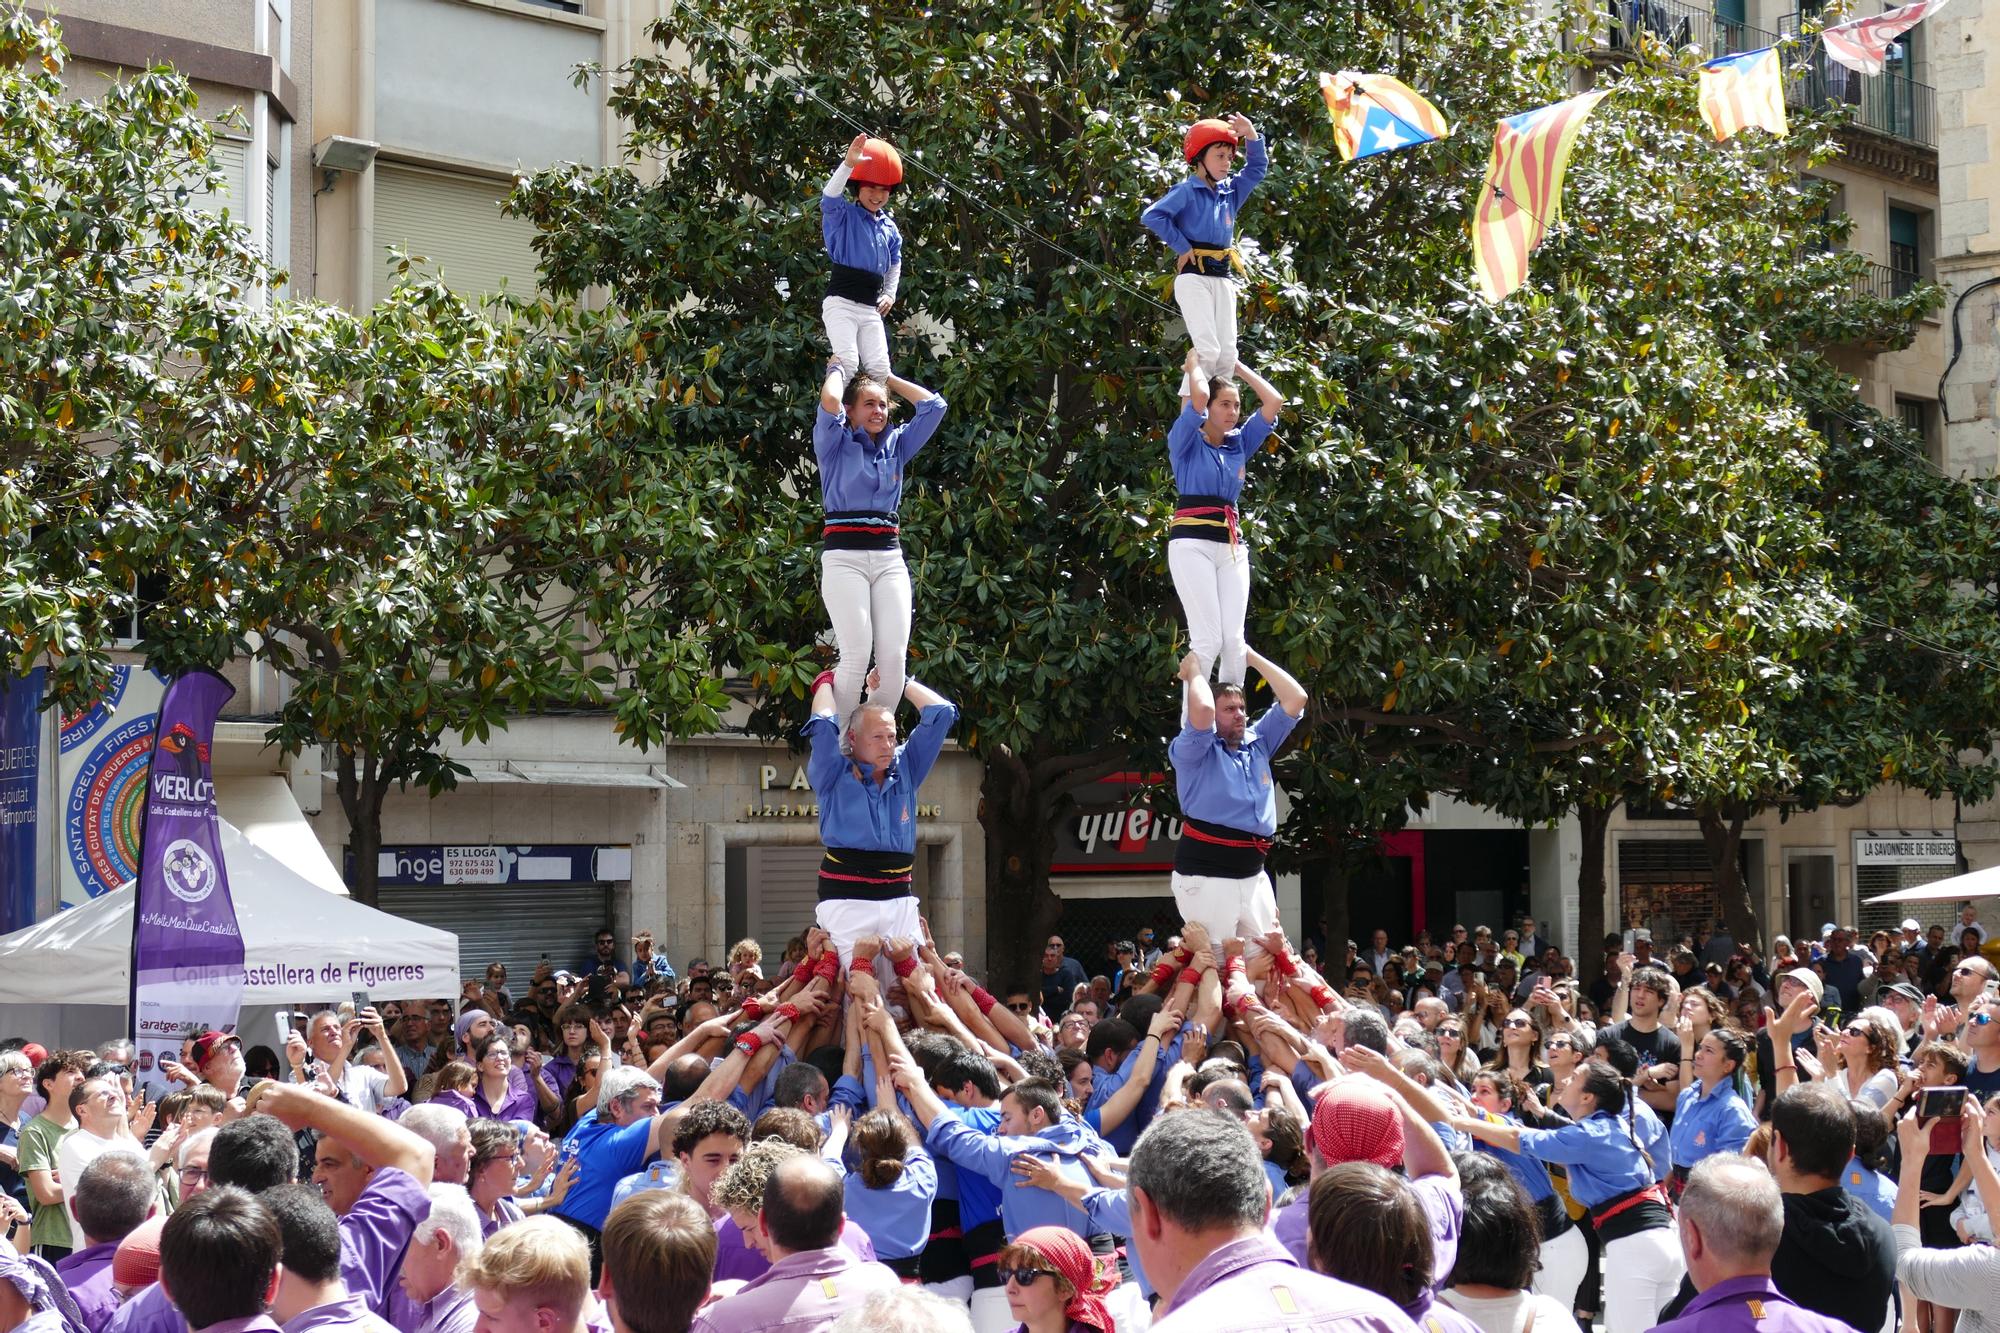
x: 1162, y: 971
x: 1231, y: 966
x: 828, y: 966
x: 1239, y: 1006
x: 788, y: 1012
x: 1286, y: 964
x: 749, y: 1043
x: 984, y: 999
x: 751, y: 1007
x: 1190, y: 977
x: 905, y: 966
x: 823, y: 678
x: 1321, y: 995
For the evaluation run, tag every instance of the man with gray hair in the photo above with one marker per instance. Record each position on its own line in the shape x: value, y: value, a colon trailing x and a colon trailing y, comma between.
x: 905, y: 1310
x: 1199, y: 1206
x: 611, y: 1142
x: 1732, y: 1217
x: 448, y: 1236
x: 445, y: 1128
x: 118, y: 1192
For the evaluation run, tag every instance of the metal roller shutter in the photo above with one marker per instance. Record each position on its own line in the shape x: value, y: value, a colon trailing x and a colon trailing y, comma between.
x: 508, y: 923
x: 782, y: 892
x: 455, y: 223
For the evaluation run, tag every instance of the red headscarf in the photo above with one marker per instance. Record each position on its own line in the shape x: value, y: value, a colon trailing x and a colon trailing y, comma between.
x: 1069, y: 1256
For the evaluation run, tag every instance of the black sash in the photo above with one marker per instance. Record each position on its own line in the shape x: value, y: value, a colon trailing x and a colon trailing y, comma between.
x: 856, y: 284
x: 1207, y: 848
x: 860, y: 530
x: 848, y: 872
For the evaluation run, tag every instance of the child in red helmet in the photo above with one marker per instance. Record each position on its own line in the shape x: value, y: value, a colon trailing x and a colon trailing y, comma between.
x: 867, y: 255
x: 1198, y: 219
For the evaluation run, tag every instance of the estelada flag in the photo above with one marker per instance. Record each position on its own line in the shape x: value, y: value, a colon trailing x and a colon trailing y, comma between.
x: 1523, y: 192
x: 1863, y: 44
x: 1373, y: 113
x: 1744, y: 90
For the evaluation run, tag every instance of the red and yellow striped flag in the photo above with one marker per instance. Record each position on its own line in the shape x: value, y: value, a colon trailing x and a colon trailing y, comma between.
x: 1744, y: 90
x: 1523, y: 192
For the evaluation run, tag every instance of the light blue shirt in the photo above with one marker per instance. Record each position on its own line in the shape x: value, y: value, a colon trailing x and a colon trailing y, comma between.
x: 1709, y: 1123
x: 1022, y: 1206
x: 1604, y: 1163
x: 861, y: 474
x: 858, y: 812
x: 1196, y: 213
x: 897, y: 1218
x: 1201, y: 468
x: 1232, y: 787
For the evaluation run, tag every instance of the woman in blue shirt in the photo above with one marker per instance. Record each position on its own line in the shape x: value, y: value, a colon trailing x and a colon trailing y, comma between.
x: 1565, y: 1255
x: 1611, y: 1175
x: 1710, y: 1115
x: 1208, y: 445
x: 863, y: 580
x: 890, y: 1188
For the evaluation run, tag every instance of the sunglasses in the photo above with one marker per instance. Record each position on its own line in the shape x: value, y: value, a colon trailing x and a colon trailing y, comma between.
x: 1517, y: 1023
x: 1027, y: 1277
x: 1023, y: 1007
x: 1558, y: 1044
x: 1453, y: 1033
x: 1982, y: 1018
x: 1854, y: 1030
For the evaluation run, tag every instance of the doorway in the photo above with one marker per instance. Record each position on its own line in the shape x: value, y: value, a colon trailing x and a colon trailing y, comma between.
x: 1810, y: 891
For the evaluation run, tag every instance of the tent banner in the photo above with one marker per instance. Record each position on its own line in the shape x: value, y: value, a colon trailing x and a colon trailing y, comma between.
x: 101, y: 778
x: 187, y: 953
x: 20, y: 796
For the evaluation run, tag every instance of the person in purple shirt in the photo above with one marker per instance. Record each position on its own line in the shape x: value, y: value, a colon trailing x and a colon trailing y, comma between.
x: 1731, y: 1218
x: 813, y: 1278
x: 311, y: 1298
x: 1369, y: 1228
x: 219, y: 1261
x: 503, y: 1091
x: 1229, y: 804
x: 451, y: 1235
x: 739, y: 1192
x: 1199, y: 1205
x: 32, y: 1298
x: 114, y: 1195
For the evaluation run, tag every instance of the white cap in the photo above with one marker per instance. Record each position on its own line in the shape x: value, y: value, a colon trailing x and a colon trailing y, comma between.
x: 1641, y: 933
x: 1910, y: 923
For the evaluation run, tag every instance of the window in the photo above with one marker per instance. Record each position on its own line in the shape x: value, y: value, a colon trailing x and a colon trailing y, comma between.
x: 1905, y: 249
x: 454, y: 222
x: 130, y: 628
x: 1920, y: 416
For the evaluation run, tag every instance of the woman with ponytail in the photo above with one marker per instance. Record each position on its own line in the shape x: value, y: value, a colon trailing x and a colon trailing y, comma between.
x: 890, y: 1183
x: 1612, y: 1176
x: 1054, y: 1284
x: 1710, y: 1115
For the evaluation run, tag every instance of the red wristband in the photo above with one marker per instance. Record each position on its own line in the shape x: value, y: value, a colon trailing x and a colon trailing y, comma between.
x: 788, y: 1012
x: 905, y: 966
x: 1163, y: 971
x: 1321, y: 995
x: 1190, y: 977
x: 828, y: 966
x: 984, y: 999
x: 749, y: 1043
x: 1239, y: 1006
x: 1231, y: 966
x: 1286, y: 964
x: 752, y: 1008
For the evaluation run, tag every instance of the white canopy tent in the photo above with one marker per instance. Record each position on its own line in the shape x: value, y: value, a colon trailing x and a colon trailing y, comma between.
x: 66, y: 979
x: 1973, y: 884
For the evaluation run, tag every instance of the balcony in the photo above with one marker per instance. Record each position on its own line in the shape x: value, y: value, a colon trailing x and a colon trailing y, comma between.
x: 1674, y: 24
x: 1891, y: 103
x: 1886, y: 283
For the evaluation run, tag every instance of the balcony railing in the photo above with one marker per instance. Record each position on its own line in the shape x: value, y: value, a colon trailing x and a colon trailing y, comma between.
x: 1890, y: 103
x: 1675, y: 24
x: 1886, y: 283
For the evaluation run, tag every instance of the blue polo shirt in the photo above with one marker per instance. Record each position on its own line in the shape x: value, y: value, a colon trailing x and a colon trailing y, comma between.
x: 609, y: 1154
x: 856, y: 811
x: 1196, y: 213
x: 856, y: 237
x: 1709, y: 1123
x: 859, y: 473
x: 1603, y: 1162
x: 1201, y: 468
x: 1232, y: 787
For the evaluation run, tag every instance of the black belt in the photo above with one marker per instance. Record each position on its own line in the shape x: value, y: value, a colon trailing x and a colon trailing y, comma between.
x: 860, y: 530
x: 1209, y: 267
x: 1207, y: 848
x: 905, y: 1268
x: 943, y: 1254
x: 857, y: 284
x: 1205, y: 518
x: 984, y: 1243
x: 850, y: 872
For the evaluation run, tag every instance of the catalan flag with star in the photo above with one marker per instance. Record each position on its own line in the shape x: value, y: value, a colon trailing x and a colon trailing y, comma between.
x: 1373, y: 113
x: 1744, y: 90
x: 1523, y: 192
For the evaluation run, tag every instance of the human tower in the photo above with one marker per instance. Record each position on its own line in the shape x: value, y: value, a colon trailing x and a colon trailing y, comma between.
x: 866, y: 783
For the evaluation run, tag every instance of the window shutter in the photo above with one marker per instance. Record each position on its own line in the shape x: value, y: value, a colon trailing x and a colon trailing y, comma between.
x: 454, y: 223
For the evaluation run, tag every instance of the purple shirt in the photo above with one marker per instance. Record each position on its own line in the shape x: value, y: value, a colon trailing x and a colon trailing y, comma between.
x: 450, y: 1311
x: 373, y: 1236
x: 1251, y: 1284
x: 737, y: 1259
x: 346, y: 1315
x: 1291, y: 1228
x: 1726, y: 1308
x: 505, y: 1214
x: 802, y: 1293
x: 87, y: 1274
x: 517, y: 1103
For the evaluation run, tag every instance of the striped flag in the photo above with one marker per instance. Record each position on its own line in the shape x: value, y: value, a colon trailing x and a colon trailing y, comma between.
x: 1523, y: 192
x: 1863, y: 44
x: 1744, y: 90
x: 1373, y: 113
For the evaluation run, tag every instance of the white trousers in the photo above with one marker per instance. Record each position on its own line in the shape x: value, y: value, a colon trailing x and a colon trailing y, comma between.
x: 1213, y: 580
x: 1208, y: 305
x: 867, y: 595
x: 1229, y: 908
x: 846, y: 920
x: 1641, y: 1274
x: 859, y: 338
x: 1564, y: 1261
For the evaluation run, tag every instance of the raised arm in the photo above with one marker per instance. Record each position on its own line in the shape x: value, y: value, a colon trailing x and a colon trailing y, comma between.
x: 1272, y: 401
x: 376, y: 1140
x: 1200, y: 698
x: 830, y: 391
x: 1197, y: 395
x: 1126, y: 1100
x: 1290, y: 694
x: 920, y: 695
x: 910, y: 390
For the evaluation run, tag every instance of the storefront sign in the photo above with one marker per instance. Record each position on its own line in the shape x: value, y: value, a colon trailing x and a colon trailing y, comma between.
x: 1929, y: 849
x: 424, y: 864
x: 1113, y: 833
x: 773, y: 778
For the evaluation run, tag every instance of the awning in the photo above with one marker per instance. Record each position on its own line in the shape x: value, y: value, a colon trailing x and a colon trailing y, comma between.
x: 561, y: 774
x: 1975, y: 884
x: 262, y: 807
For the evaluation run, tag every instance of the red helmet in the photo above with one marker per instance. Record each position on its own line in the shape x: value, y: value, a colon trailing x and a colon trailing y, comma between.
x: 1203, y: 133
x: 880, y: 165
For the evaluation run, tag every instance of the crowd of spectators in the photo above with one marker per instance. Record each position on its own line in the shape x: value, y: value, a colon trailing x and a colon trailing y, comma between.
x: 1452, y: 1134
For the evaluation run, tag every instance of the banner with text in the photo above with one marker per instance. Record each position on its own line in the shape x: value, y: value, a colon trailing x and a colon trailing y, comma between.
x: 187, y: 953
x: 101, y: 782
x: 20, y: 796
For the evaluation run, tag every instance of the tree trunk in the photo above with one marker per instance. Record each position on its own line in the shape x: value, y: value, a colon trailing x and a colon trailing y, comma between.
x: 1722, y: 831
x: 1021, y: 909
x: 1595, y: 819
x: 361, y: 791
x: 1334, y: 916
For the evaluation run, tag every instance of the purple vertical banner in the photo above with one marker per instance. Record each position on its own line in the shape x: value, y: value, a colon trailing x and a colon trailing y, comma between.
x: 187, y: 953
x: 20, y: 796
